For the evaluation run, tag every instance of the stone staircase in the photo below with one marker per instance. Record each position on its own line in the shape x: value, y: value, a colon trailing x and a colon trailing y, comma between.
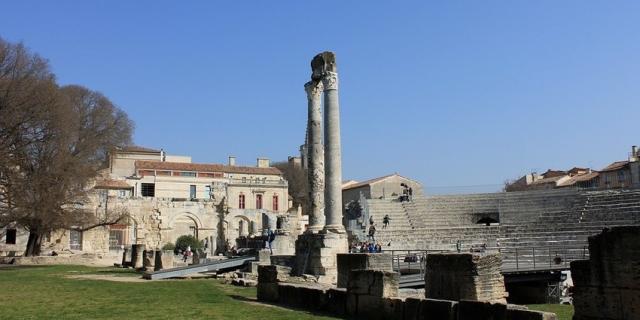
x: 558, y: 220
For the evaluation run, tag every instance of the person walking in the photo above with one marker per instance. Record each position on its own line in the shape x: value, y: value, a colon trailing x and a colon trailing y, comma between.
x: 385, y: 221
x: 372, y: 232
x: 270, y: 237
x: 186, y: 254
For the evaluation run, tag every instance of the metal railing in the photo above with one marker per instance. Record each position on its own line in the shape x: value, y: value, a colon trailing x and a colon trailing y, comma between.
x: 540, y: 258
x: 410, y: 261
x: 516, y: 259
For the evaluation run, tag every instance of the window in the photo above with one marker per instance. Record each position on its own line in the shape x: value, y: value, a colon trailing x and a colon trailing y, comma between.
x: 187, y: 174
x: 192, y: 191
x: 620, y: 176
x: 10, y: 237
x: 258, y: 201
x: 207, y: 191
x: 122, y: 194
x: 275, y: 202
x: 148, y: 189
x: 103, y: 195
x: 116, y: 238
x: 75, y: 240
x: 264, y: 180
x: 244, y: 179
x: 241, y: 201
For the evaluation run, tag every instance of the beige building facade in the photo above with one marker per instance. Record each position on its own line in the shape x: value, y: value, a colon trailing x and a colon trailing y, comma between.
x: 167, y: 196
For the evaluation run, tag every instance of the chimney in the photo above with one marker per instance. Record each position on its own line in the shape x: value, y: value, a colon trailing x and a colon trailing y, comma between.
x: 163, y: 155
x: 232, y: 161
x: 634, y: 150
x: 263, y: 163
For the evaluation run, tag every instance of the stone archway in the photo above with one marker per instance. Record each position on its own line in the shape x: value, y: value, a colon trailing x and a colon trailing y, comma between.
x: 242, y: 226
x: 185, y: 224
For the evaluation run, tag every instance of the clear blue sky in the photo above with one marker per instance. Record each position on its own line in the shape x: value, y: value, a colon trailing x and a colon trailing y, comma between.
x: 451, y: 93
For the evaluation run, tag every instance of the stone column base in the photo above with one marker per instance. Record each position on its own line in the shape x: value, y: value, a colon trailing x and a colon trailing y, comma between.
x: 316, y: 254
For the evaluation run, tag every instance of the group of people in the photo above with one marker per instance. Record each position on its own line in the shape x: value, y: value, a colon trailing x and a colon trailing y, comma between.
x: 407, y: 193
x: 366, y: 246
x: 372, y: 226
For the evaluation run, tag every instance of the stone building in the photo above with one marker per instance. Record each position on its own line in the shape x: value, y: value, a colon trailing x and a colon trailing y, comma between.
x: 167, y: 196
x: 619, y: 174
x: 385, y: 187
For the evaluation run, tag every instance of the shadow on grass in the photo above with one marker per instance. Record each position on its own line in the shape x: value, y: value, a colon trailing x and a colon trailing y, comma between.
x: 11, y: 267
x: 118, y: 272
x: 255, y: 300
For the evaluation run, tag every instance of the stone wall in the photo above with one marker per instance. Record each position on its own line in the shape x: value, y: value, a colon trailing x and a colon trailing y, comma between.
x: 372, y: 294
x: 348, y: 262
x: 607, y: 286
x: 457, y: 276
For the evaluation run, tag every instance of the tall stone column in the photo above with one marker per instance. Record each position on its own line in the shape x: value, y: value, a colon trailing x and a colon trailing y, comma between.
x: 315, y: 154
x: 332, y: 149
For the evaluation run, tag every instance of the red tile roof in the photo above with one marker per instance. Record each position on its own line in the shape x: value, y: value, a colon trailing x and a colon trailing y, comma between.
x: 579, y: 178
x: 615, y: 166
x: 111, y: 184
x: 203, y: 167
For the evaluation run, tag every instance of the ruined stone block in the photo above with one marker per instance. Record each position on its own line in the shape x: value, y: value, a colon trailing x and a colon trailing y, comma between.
x: 438, y: 309
x: 392, y: 308
x: 271, y: 274
x: 313, y: 298
x: 607, y: 286
x: 291, y: 294
x: 375, y: 283
x: 519, y: 314
x: 455, y: 276
x: 481, y: 310
x: 268, y: 292
x: 264, y: 257
x: 337, y: 301
x: 412, y: 309
x: 361, y: 261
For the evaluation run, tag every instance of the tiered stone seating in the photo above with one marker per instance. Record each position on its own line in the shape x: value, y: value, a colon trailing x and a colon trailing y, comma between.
x: 556, y: 220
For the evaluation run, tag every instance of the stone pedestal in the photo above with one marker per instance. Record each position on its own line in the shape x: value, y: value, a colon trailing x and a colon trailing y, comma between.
x: 316, y: 254
x: 147, y: 259
x: 459, y: 276
x: 125, y: 253
x: 348, y: 262
x: 157, y: 264
x: 137, y: 255
x: 367, y: 290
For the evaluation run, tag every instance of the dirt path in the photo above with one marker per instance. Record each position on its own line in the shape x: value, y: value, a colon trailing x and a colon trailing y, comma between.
x: 106, y: 277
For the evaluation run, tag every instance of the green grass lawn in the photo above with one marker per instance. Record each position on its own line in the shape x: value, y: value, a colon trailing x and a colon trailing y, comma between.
x: 564, y: 312
x: 47, y: 292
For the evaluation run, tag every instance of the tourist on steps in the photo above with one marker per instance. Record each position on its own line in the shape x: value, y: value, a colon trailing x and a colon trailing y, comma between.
x: 385, y: 221
x: 372, y: 232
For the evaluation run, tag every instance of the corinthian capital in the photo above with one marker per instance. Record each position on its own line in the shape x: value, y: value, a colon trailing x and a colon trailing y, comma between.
x: 330, y: 80
x: 313, y: 89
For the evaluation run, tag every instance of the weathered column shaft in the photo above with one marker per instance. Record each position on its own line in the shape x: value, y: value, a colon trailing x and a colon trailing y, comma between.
x: 315, y: 152
x: 332, y: 154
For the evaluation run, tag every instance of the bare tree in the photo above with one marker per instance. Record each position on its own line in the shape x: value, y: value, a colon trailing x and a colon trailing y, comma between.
x: 57, y: 140
x: 298, y: 183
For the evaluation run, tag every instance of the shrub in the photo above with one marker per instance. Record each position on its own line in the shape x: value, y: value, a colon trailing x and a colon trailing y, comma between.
x: 169, y: 246
x: 188, y: 240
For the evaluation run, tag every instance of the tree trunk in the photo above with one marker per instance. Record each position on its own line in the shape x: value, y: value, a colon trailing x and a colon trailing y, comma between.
x: 34, y: 244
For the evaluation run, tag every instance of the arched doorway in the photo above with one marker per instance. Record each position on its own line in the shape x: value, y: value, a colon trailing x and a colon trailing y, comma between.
x: 183, y: 225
